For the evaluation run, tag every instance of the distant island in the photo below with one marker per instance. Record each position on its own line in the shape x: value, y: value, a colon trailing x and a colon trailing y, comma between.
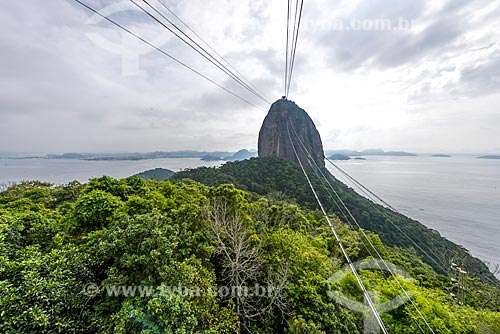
x: 210, y: 157
x: 352, y: 153
x: 338, y: 156
x: 158, y: 174
x: 66, y: 156
x: 359, y: 158
x: 441, y: 156
x: 489, y: 157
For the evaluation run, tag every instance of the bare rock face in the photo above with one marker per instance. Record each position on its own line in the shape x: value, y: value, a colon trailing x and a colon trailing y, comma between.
x: 284, y: 124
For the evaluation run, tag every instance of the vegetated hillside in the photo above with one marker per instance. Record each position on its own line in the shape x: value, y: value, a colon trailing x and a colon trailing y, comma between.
x: 158, y: 174
x: 277, y: 175
x: 65, y: 251
x: 339, y: 156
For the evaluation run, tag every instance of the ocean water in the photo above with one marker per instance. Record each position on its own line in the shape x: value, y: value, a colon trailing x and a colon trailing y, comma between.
x: 61, y: 171
x: 458, y: 196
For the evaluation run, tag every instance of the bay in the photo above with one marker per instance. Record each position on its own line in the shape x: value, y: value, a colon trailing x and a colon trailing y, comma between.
x: 457, y: 196
x: 60, y: 171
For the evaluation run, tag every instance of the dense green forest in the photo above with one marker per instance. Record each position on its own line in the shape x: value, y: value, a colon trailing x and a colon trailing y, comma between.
x: 159, y: 174
x: 64, y: 248
x: 282, y: 178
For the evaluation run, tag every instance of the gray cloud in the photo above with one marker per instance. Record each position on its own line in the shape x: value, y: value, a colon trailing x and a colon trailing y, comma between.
x: 59, y: 91
x: 483, y: 78
x: 351, y: 49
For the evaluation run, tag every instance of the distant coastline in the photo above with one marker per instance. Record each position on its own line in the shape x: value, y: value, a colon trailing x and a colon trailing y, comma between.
x: 352, y: 153
x: 224, y: 155
x: 489, y: 157
x: 124, y: 156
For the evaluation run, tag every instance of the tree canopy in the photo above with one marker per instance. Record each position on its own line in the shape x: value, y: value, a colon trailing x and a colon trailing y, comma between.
x: 97, y: 258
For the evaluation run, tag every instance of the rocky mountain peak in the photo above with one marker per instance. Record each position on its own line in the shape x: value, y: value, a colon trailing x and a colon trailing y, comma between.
x: 284, y: 121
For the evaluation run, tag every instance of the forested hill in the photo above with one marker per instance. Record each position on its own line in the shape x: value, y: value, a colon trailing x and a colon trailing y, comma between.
x: 284, y: 179
x: 133, y: 257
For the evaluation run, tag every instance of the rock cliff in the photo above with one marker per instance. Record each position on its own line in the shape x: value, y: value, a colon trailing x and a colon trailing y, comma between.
x: 274, y: 138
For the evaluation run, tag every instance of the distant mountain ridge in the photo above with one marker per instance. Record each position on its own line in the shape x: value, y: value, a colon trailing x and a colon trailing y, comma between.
x: 137, y: 156
x: 204, y: 155
x: 223, y: 155
x: 241, y: 155
x: 371, y: 152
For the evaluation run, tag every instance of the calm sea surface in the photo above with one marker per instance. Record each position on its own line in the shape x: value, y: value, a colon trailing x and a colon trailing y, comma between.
x: 65, y: 170
x: 458, y: 196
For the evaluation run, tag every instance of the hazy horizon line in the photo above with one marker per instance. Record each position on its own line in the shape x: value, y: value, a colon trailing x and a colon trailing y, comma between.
x: 233, y: 151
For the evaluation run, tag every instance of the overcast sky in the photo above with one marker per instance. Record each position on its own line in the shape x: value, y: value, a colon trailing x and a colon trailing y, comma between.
x: 428, y: 83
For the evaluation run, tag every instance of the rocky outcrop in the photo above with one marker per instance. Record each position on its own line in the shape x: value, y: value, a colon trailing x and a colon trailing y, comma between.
x: 283, y: 125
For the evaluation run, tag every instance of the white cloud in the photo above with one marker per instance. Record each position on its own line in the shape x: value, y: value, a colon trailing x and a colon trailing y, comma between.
x: 434, y: 87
